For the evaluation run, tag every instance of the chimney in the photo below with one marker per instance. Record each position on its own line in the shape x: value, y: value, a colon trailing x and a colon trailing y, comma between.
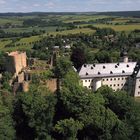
x: 125, y: 59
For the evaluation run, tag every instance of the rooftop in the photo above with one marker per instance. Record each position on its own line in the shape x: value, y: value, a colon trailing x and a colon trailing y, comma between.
x: 107, y: 69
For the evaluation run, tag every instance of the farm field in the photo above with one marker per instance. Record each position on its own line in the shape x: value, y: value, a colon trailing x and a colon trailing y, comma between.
x: 119, y: 27
x: 22, y: 44
x: 18, y: 30
x: 70, y: 19
x: 75, y: 31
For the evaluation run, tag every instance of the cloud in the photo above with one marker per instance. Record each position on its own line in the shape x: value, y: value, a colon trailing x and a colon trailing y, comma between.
x: 36, y: 5
x: 50, y: 4
x: 2, y: 2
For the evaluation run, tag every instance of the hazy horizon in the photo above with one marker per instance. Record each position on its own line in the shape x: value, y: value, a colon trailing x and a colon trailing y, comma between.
x: 7, y: 6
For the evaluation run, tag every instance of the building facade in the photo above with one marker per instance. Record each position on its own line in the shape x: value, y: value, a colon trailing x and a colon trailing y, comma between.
x: 118, y: 76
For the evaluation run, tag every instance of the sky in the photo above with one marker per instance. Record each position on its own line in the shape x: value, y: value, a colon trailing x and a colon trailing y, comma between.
x: 68, y: 5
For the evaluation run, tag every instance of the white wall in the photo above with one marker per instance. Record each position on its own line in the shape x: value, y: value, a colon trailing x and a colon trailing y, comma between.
x: 137, y: 88
x: 116, y: 83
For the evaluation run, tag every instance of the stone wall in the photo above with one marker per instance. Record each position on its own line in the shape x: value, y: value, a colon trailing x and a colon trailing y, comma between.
x: 16, y: 61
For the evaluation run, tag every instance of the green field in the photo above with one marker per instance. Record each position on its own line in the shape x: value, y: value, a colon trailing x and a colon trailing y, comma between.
x: 18, y: 30
x: 24, y: 44
x: 120, y: 27
x: 69, y: 19
x: 13, y: 21
x: 75, y: 31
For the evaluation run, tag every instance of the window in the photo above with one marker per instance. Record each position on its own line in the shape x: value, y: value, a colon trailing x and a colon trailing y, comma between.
x: 110, y: 85
x: 85, y: 65
x: 114, y: 85
x: 114, y: 78
x: 111, y: 79
x: 103, y: 79
x: 118, y: 78
x: 106, y: 79
x: 85, y: 80
x: 123, y: 71
x: 138, y: 92
x: 118, y: 85
x: 92, y: 80
x: 139, y: 86
x: 121, y: 84
x: 89, y: 80
x: 122, y: 78
x: 103, y: 67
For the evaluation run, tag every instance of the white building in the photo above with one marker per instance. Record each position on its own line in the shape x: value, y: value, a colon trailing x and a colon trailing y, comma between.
x: 118, y: 76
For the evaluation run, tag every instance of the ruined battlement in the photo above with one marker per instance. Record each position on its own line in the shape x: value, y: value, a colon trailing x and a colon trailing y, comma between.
x: 16, y: 61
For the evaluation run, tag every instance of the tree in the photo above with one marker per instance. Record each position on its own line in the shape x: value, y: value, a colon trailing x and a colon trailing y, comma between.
x: 68, y: 128
x: 6, y: 122
x: 63, y: 65
x: 126, y: 108
x: 78, y: 57
x: 81, y: 104
x: 34, y: 113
